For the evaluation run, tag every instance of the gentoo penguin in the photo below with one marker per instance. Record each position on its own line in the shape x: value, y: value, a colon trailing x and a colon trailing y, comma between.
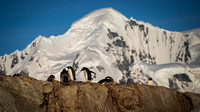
x: 71, y: 73
x: 17, y: 74
x: 64, y: 76
x: 150, y: 81
x: 107, y: 79
x: 51, y: 78
x: 87, y: 73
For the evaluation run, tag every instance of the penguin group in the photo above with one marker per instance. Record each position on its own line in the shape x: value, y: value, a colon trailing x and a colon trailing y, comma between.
x: 68, y: 74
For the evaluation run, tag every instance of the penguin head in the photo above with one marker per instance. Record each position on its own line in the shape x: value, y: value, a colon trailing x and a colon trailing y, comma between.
x: 109, y: 78
x: 52, y: 77
x: 67, y: 66
x: 81, y: 70
x: 84, y: 68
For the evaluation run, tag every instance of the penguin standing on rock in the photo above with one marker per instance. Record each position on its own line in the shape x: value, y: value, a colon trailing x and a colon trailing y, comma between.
x: 71, y: 73
x: 87, y: 73
x: 150, y: 82
x: 51, y: 78
x: 17, y: 74
x: 64, y: 76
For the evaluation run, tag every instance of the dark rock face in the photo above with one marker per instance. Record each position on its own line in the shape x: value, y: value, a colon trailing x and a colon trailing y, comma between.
x: 182, y: 77
x: 31, y: 59
x: 15, y: 60
x: 119, y: 48
x: 111, y: 34
x: 184, y: 54
x: 141, y: 27
x: 75, y: 62
x: 124, y: 55
x: 132, y: 23
x: 183, y: 80
x: 33, y: 45
x: 119, y: 43
x: 22, y: 56
x: 24, y: 72
x: 2, y: 69
x: 24, y: 94
x: 187, y: 52
x: 173, y: 85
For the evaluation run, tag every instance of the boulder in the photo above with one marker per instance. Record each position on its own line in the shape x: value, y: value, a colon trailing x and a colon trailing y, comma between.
x: 47, y: 87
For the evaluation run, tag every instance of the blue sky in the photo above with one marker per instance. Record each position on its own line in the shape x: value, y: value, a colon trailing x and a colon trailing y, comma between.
x: 21, y: 21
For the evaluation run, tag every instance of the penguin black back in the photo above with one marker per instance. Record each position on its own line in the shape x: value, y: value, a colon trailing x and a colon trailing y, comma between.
x: 101, y: 81
x: 51, y: 78
x: 89, y: 76
x: 17, y: 74
x: 107, y: 79
x: 64, y: 71
x: 64, y: 76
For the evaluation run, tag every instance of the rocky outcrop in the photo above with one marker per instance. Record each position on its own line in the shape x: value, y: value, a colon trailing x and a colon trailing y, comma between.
x: 20, y: 94
x: 24, y: 94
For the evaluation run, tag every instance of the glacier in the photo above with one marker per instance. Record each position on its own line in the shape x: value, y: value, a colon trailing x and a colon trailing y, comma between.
x: 110, y: 44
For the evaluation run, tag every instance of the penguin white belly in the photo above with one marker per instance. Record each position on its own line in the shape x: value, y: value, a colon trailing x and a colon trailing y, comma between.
x: 150, y: 82
x: 86, y: 75
x: 70, y: 74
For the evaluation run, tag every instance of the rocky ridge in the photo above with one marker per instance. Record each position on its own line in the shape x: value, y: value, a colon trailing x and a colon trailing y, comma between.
x: 25, y: 94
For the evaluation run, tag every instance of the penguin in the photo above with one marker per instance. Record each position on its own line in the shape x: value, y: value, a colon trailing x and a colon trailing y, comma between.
x: 107, y: 79
x: 17, y: 74
x: 71, y: 73
x: 64, y: 76
x: 150, y: 82
x: 87, y: 73
x: 51, y: 78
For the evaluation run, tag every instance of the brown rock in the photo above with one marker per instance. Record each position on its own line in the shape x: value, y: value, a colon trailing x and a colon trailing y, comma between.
x: 24, y: 94
x: 47, y: 87
x: 20, y: 94
x: 195, y: 100
x: 89, y: 97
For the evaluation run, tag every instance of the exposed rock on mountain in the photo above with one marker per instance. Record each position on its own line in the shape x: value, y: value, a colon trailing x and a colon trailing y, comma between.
x: 24, y: 94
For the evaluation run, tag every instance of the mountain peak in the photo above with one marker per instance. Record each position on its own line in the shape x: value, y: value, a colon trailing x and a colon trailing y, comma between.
x: 100, y: 15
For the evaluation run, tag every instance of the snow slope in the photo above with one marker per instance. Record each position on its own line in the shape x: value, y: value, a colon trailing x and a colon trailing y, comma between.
x: 110, y: 44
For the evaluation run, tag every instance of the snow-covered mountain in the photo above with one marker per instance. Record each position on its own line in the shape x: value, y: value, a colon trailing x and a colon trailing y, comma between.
x: 112, y: 45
